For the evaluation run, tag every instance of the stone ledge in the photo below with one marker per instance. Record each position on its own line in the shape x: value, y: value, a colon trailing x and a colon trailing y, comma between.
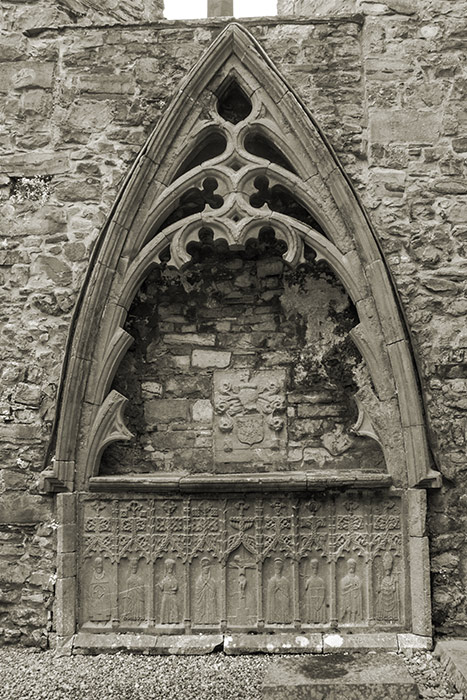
x: 360, y: 642
x: 453, y: 655
x: 262, y: 481
x: 238, y: 643
x: 414, y: 641
x: 89, y: 643
x: 273, y: 643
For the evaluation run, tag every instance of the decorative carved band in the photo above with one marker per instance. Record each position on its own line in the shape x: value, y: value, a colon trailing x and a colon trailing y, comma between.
x: 243, y: 562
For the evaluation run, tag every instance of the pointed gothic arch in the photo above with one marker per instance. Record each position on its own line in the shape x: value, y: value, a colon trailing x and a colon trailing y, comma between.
x: 234, y: 139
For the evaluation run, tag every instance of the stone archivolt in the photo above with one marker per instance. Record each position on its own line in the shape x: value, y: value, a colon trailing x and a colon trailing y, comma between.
x: 237, y: 155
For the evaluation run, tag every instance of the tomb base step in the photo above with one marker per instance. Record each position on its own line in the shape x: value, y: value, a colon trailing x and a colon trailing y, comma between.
x: 90, y: 642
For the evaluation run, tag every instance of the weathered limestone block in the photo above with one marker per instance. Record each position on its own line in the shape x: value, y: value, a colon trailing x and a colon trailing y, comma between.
x: 400, y: 126
x: 374, y: 678
x: 210, y: 358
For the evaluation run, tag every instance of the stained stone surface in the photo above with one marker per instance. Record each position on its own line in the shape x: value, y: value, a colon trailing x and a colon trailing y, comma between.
x: 381, y: 676
x: 69, y: 141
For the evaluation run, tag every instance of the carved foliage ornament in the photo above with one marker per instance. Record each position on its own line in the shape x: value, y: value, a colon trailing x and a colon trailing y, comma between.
x: 272, y: 561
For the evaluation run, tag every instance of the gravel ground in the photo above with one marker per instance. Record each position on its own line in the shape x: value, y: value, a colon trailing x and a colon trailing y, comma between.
x: 27, y: 674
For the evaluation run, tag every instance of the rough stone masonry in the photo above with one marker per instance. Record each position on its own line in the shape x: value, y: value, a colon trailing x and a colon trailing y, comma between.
x: 83, y: 85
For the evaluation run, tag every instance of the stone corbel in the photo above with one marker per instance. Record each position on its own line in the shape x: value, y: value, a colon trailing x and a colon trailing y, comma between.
x: 363, y: 425
x: 109, y: 426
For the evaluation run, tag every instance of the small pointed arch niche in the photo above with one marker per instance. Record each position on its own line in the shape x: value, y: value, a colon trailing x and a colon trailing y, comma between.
x: 237, y: 180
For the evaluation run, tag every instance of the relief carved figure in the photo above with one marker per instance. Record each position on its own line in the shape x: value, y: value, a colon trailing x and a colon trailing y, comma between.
x: 279, y: 595
x: 249, y: 412
x: 241, y: 567
x: 387, y: 601
x: 134, y: 596
x: 315, y: 604
x: 99, y: 593
x: 169, y: 587
x: 205, y: 594
x: 351, y: 595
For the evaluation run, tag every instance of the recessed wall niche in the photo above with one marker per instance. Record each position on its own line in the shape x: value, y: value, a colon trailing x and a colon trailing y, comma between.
x: 241, y: 364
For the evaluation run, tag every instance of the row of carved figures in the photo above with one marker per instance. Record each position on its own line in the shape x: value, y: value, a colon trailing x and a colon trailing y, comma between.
x: 279, y: 595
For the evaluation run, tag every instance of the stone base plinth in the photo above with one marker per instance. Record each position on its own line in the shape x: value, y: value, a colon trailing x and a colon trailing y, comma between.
x: 89, y: 642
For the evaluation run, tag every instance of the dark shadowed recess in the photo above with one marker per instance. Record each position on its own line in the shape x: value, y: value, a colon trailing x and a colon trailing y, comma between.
x: 210, y: 146
x: 233, y: 104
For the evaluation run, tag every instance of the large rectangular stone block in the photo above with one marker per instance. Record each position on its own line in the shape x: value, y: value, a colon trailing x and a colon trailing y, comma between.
x: 419, y: 556
x: 380, y: 676
x: 65, y: 592
x: 405, y: 126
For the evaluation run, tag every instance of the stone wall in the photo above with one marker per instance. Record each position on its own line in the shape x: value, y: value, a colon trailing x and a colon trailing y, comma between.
x: 388, y: 90
x: 262, y: 335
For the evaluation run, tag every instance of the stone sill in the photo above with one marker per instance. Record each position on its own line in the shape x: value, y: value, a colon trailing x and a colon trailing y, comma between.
x: 278, y: 643
x: 261, y: 481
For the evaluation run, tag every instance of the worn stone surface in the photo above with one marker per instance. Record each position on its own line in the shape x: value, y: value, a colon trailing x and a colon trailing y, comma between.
x: 340, y: 676
x: 176, y: 645
x: 453, y: 655
x: 273, y: 644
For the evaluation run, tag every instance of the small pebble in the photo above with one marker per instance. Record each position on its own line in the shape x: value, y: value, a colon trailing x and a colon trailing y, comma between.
x: 29, y: 674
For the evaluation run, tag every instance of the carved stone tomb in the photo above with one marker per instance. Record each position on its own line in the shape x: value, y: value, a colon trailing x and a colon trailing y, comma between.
x: 240, y: 443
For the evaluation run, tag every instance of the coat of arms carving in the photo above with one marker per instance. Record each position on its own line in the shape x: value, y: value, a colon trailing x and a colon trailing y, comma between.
x: 250, y: 423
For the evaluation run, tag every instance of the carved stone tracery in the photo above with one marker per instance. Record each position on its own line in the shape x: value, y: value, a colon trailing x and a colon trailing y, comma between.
x: 212, y: 544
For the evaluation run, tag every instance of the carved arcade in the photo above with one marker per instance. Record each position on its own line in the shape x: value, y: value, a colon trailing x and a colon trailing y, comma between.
x: 245, y: 564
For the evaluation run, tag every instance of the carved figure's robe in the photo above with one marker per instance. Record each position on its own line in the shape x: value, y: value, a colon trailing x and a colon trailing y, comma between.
x: 279, y: 599
x: 351, y: 592
x: 315, y: 599
x: 206, y: 601
x: 387, y: 604
x: 134, y: 599
x: 99, y: 597
x: 169, y: 608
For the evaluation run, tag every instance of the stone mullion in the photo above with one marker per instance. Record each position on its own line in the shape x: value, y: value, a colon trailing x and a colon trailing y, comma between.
x: 259, y: 524
x: 296, y: 564
x: 333, y: 614
x: 224, y: 558
x: 187, y: 562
